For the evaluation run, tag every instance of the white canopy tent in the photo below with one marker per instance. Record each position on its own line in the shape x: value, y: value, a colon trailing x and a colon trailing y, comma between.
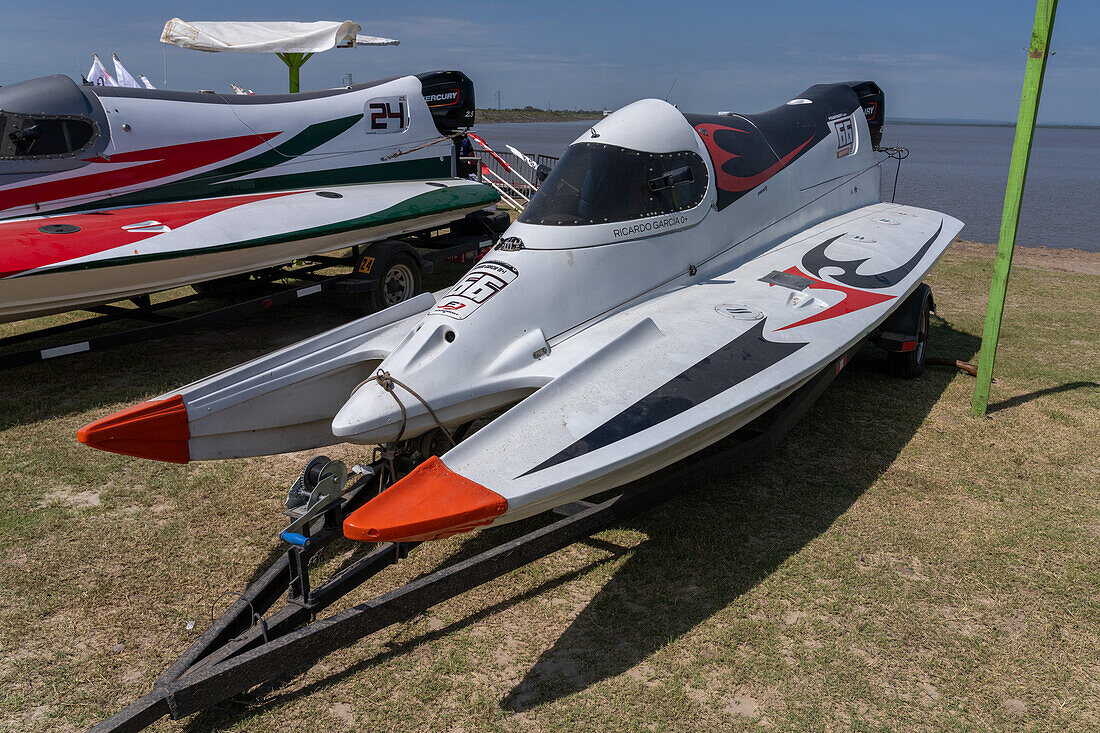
x: 294, y: 43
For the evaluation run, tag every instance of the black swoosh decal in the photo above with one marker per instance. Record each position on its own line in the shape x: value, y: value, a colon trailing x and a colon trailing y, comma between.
x: 816, y: 259
x: 745, y: 356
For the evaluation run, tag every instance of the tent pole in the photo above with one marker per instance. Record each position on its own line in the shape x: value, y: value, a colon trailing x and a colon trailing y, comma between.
x: 1014, y: 193
x: 294, y: 62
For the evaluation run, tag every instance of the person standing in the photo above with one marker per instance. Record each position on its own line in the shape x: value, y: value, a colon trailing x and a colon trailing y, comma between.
x: 466, y: 166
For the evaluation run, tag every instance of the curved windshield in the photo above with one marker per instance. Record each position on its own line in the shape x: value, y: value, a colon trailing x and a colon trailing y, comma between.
x: 24, y: 136
x: 595, y: 183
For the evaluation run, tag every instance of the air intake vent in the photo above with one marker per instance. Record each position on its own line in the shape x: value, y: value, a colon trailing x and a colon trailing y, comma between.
x: 510, y: 244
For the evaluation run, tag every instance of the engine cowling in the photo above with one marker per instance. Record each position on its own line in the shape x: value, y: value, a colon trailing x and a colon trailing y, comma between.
x: 450, y: 97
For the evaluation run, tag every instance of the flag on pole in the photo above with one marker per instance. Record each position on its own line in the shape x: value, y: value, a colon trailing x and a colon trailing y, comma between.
x: 144, y: 80
x: 123, y: 78
x: 485, y: 146
x: 98, y: 75
x: 530, y: 163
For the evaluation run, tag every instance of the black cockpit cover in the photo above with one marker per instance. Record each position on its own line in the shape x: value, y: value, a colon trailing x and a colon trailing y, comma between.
x: 747, y: 150
x: 51, y: 95
x: 56, y: 95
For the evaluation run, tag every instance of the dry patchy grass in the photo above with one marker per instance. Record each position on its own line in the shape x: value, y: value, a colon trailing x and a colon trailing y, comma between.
x: 895, y: 565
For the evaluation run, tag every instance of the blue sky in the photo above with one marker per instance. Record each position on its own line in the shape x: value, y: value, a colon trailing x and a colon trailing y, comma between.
x: 934, y: 58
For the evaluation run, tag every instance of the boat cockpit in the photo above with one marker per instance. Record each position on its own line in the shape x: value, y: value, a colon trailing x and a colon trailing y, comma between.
x: 596, y: 183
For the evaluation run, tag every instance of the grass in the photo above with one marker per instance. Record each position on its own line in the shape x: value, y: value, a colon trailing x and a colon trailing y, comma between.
x: 894, y: 565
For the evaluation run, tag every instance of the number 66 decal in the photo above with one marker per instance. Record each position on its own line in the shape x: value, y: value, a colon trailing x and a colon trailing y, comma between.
x: 386, y: 114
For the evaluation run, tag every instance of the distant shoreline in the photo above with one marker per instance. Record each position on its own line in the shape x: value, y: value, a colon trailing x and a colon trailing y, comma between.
x: 987, y: 123
x: 1035, y: 256
x: 533, y: 114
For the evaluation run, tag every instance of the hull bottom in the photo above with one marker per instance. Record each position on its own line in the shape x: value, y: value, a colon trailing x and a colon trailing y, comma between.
x: 49, y: 293
x: 661, y: 458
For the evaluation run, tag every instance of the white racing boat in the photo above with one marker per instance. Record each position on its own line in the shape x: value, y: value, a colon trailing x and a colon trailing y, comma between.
x: 112, y: 192
x: 675, y: 277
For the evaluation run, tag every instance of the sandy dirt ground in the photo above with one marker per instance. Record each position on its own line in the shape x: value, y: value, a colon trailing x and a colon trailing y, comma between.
x: 1036, y: 258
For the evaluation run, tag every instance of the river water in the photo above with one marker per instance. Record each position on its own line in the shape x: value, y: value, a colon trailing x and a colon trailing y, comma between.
x: 957, y: 169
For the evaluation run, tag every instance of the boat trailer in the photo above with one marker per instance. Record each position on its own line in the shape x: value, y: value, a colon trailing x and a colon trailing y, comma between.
x: 364, y: 274
x: 245, y: 648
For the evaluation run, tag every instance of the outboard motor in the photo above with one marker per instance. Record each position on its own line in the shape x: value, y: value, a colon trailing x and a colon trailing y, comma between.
x: 450, y: 97
x: 873, y: 102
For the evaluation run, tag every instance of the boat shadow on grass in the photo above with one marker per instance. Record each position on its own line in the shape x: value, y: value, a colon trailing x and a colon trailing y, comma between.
x: 56, y: 388
x: 712, y: 544
x: 83, y: 381
x: 731, y: 532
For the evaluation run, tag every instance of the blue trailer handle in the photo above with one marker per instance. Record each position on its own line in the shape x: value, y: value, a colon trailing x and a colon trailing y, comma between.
x: 294, y: 538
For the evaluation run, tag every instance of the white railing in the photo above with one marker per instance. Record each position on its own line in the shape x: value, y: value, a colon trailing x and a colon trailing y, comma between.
x: 512, y: 177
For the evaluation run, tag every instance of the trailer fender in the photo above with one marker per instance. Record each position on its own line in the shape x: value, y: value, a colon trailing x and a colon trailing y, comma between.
x: 900, y: 331
x: 371, y: 264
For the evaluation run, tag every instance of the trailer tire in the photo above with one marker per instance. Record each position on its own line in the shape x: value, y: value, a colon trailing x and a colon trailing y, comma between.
x: 222, y: 284
x: 398, y: 281
x: 910, y: 364
x: 482, y: 223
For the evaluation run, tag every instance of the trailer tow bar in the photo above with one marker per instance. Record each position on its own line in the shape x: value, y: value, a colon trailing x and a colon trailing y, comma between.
x: 238, y: 652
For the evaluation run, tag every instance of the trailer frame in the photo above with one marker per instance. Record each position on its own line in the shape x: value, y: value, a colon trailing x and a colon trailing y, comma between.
x: 243, y: 648
x: 426, y: 248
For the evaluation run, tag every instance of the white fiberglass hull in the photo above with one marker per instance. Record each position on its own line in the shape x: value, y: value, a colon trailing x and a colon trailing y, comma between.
x: 217, y: 238
x: 675, y: 277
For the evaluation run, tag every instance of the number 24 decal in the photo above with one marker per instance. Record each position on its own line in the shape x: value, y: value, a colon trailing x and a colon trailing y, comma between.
x: 383, y: 113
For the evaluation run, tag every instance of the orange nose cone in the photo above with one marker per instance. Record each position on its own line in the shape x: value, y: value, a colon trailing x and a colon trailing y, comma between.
x: 430, y: 503
x: 156, y: 430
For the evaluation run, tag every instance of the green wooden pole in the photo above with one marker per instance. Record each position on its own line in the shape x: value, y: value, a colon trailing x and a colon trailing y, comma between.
x: 1014, y: 194
x: 295, y: 86
x: 294, y: 63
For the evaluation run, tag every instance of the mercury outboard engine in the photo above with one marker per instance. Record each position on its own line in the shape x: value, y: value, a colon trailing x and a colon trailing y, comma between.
x: 873, y: 102
x: 450, y: 97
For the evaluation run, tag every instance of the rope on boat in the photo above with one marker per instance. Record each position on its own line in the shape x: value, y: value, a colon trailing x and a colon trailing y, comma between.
x: 398, y: 153
x: 899, y: 154
x: 387, y: 382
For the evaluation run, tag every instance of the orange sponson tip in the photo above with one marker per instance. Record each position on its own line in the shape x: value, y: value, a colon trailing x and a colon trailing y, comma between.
x: 430, y: 503
x: 156, y: 430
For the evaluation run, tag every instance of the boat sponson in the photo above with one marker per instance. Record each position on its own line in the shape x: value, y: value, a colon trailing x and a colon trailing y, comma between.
x: 158, y: 429
x: 431, y: 503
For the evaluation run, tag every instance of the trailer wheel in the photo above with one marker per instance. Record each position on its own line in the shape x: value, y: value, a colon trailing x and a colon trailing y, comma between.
x: 222, y: 284
x: 910, y: 364
x: 399, y: 280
